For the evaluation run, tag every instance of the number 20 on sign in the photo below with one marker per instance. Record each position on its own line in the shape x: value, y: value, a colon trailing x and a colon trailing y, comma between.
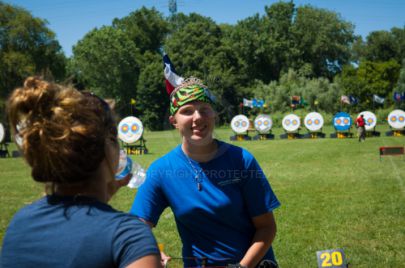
x: 331, y: 258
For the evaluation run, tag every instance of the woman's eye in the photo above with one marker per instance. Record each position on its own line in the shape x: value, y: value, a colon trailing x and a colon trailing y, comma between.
x: 206, y: 112
x: 187, y: 111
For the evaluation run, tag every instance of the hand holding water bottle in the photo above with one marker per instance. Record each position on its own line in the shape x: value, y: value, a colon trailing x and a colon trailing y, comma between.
x: 125, y: 166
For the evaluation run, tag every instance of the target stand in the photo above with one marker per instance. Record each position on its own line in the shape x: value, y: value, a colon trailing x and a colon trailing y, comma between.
x: 3, y: 144
x: 371, y: 121
x: 130, y: 132
x: 136, y: 149
x: 262, y: 125
x: 396, y: 120
x: 373, y: 134
x: 342, y: 123
x: 291, y: 135
x: 4, y: 150
x: 240, y: 125
x: 395, y: 133
x: 314, y: 135
x: 240, y: 137
x: 263, y: 137
x: 341, y: 135
x: 314, y: 123
x: 291, y: 124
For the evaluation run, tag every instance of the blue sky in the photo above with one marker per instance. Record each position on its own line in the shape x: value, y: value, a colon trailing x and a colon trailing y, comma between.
x: 72, y: 19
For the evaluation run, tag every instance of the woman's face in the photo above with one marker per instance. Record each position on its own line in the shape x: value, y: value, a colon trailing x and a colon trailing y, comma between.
x: 195, y: 121
x: 112, y: 157
x: 112, y: 154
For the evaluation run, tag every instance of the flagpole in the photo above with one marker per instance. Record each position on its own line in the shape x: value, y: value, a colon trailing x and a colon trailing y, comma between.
x: 373, y: 105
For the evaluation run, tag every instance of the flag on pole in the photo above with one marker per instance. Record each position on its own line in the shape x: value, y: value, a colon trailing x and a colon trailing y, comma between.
x: 247, y: 103
x: 172, y: 79
x: 303, y: 102
x: 344, y: 99
x: 397, y: 96
x: 295, y: 100
x: 353, y: 100
x: 257, y: 103
x: 378, y: 99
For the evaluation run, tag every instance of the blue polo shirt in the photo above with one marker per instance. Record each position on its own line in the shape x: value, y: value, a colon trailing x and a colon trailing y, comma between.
x: 72, y: 231
x: 214, y: 221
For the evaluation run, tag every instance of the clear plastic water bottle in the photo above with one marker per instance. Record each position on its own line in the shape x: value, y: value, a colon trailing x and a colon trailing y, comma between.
x: 125, y: 166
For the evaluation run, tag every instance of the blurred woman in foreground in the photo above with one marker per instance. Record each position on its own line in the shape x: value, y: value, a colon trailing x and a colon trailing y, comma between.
x: 69, y: 139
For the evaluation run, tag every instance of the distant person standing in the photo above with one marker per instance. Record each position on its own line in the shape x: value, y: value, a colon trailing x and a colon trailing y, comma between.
x: 361, y: 127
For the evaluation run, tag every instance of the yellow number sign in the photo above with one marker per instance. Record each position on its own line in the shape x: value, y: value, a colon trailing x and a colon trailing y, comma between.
x: 331, y: 258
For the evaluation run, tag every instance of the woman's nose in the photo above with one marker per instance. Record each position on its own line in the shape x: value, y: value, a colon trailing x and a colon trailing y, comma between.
x: 197, y: 115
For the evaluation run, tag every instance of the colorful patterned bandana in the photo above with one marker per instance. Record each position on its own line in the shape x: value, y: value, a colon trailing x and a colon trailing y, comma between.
x: 192, y: 89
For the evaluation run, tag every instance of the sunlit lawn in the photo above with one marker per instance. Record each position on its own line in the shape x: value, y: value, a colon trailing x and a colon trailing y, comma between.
x: 335, y: 193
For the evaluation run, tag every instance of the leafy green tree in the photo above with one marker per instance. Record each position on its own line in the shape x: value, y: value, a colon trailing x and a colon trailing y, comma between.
x: 263, y: 44
x: 368, y: 79
x: 250, y: 41
x: 27, y: 47
x: 400, y: 87
x: 383, y: 46
x: 152, y: 101
x: 319, y: 94
x: 399, y: 36
x: 106, y: 61
x: 192, y: 46
x: 380, y: 46
x: 278, y: 23
x: 322, y: 39
x: 196, y: 48
x: 145, y: 27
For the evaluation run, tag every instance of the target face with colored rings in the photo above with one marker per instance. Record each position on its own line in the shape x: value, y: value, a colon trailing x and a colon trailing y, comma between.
x: 130, y: 129
x: 17, y: 137
x: 342, y: 121
x: 2, y: 133
x: 313, y: 121
x: 240, y: 124
x: 263, y: 123
x: 291, y: 122
x: 370, y: 119
x: 396, y: 119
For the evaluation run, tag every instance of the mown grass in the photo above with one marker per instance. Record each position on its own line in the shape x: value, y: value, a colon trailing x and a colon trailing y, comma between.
x: 335, y: 193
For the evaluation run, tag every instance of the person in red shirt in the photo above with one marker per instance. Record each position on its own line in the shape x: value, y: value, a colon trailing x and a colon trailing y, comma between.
x: 361, y: 129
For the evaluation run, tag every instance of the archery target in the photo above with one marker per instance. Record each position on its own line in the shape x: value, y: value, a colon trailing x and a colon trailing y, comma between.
x: 263, y: 123
x: 370, y: 119
x: 291, y: 122
x: 313, y: 121
x: 396, y: 119
x: 17, y: 137
x: 130, y: 129
x: 240, y: 124
x: 2, y: 133
x: 342, y: 121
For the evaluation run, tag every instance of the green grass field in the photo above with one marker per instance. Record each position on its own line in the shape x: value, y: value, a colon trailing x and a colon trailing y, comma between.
x: 335, y: 193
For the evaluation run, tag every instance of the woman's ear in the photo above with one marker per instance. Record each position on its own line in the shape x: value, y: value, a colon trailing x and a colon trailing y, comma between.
x: 111, y: 151
x: 173, y: 121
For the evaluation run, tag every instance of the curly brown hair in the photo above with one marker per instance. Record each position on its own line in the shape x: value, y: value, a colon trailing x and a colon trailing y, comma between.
x: 62, y: 131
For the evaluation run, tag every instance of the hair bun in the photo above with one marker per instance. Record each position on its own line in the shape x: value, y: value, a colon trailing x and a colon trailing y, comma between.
x: 34, y: 83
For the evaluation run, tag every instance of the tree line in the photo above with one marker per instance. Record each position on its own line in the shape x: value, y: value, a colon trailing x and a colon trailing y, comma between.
x: 290, y: 50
